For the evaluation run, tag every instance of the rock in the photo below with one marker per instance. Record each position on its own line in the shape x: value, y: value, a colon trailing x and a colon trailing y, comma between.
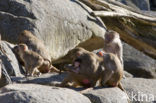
x: 9, y: 61
x: 5, y: 78
x: 128, y: 75
x: 153, y: 5
x: 141, y: 4
x: 44, y: 79
x: 61, y: 24
x: 140, y: 90
x: 9, y: 64
x: 33, y: 93
x: 107, y: 95
x: 137, y: 63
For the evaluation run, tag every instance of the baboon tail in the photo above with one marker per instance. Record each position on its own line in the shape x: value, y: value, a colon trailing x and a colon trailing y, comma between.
x: 121, y: 87
x: 54, y: 69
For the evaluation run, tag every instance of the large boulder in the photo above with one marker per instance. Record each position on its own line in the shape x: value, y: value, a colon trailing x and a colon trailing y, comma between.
x: 9, y: 61
x: 9, y: 64
x: 44, y: 79
x: 61, y: 24
x: 138, y: 4
x: 135, y: 88
x: 153, y: 4
x: 107, y: 95
x: 137, y: 63
x: 140, y: 90
x: 33, y: 93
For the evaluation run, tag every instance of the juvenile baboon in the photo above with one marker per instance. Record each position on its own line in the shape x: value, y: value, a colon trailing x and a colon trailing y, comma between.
x: 33, y: 43
x: 113, y: 70
x: 73, y: 67
x: 113, y: 44
x: 44, y: 68
x: 33, y: 62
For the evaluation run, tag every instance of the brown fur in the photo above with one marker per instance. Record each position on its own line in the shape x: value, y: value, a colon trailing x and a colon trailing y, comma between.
x: 113, y: 44
x: 33, y: 43
x: 107, y: 69
x: 16, y: 52
x: 38, y: 46
x: 33, y: 62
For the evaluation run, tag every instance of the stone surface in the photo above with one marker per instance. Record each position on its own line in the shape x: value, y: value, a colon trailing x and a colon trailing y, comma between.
x: 140, y: 90
x: 137, y: 63
x: 141, y: 4
x: 33, y: 93
x: 9, y: 64
x: 153, y: 5
x: 107, y: 95
x: 61, y: 24
x: 135, y: 88
x: 44, y: 79
x: 128, y: 75
x: 9, y: 61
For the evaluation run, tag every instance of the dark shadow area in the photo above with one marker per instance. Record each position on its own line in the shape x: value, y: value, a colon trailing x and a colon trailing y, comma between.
x: 45, y: 79
x: 133, y: 67
x: 153, y: 5
x: 7, y: 65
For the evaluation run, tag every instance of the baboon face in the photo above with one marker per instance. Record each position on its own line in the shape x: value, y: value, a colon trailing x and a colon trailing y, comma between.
x: 110, y: 36
x: 76, y: 52
x: 20, y: 48
x: 24, y: 36
x: 84, y: 69
x: 23, y: 47
x: 16, y: 50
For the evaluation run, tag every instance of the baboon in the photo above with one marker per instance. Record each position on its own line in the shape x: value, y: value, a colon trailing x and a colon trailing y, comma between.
x: 91, y: 68
x: 73, y: 67
x: 83, y: 77
x: 33, y: 43
x: 44, y: 68
x: 107, y: 69
x: 113, y: 72
x: 37, y: 45
x: 113, y: 44
x: 33, y: 62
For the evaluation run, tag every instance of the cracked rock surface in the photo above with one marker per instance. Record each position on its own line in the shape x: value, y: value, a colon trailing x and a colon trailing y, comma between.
x: 61, y: 24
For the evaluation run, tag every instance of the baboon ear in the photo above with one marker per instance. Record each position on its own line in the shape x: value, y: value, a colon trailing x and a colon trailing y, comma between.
x: 25, y: 48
